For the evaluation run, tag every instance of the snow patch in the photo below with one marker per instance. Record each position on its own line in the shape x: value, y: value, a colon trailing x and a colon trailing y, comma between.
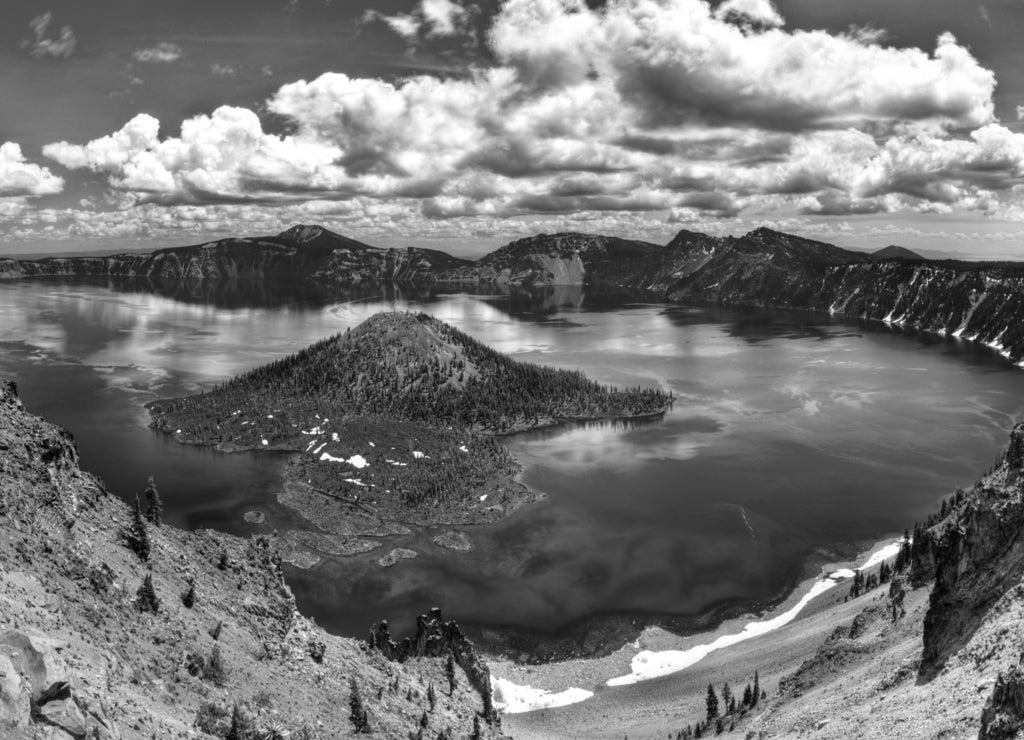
x: 357, y: 461
x: 264, y: 442
x: 417, y: 454
x: 649, y: 664
x: 511, y: 698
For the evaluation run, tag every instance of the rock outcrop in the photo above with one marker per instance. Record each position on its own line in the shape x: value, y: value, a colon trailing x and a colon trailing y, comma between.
x: 436, y: 638
x: 217, y: 641
x: 1003, y: 716
x: 979, y: 557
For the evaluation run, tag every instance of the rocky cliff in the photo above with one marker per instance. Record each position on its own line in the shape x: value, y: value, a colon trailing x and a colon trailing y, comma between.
x: 979, y: 558
x: 977, y: 301
x: 193, y: 635
x: 302, y: 253
x: 764, y: 268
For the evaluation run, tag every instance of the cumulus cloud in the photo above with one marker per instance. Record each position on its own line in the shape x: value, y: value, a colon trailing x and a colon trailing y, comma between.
x: 760, y: 12
x: 430, y: 19
x: 60, y: 46
x: 19, y: 178
x: 225, y: 156
x: 162, y: 53
x: 678, y: 62
x: 653, y: 110
x: 224, y: 70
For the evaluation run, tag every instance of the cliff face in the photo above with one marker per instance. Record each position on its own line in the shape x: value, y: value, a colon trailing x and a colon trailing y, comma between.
x: 302, y: 253
x: 199, y: 639
x: 767, y: 269
x: 979, y: 558
x: 764, y: 268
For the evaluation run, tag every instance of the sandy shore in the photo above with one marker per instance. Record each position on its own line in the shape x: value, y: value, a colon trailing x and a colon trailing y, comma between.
x: 654, y: 707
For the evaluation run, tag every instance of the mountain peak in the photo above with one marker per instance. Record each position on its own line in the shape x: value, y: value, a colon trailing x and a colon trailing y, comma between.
x: 303, y: 232
x: 896, y: 252
x: 317, y: 236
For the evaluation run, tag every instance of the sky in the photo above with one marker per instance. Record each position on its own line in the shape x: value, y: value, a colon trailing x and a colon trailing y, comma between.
x: 135, y: 124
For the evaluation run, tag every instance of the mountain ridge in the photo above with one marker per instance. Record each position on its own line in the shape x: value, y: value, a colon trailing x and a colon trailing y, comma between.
x: 764, y: 268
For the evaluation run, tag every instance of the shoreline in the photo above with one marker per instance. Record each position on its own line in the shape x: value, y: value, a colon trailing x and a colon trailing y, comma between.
x: 657, y: 655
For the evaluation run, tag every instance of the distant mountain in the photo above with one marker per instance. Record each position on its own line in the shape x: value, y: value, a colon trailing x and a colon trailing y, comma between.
x: 894, y: 252
x: 569, y: 259
x: 765, y: 268
x: 301, y: 253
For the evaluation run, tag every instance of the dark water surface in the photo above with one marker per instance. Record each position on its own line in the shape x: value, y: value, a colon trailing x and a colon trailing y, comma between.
x: 794, y: 436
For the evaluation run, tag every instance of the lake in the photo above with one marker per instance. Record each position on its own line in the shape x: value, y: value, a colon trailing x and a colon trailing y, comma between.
x: 795, y: 438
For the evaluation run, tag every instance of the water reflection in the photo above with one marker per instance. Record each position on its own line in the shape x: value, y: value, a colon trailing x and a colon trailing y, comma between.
x: 792, y: 433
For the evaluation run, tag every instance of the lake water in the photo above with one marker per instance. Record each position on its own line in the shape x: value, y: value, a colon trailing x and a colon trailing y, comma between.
x: 795, y: 438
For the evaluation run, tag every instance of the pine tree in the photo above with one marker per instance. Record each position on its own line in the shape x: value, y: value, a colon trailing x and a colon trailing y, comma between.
x: 432, y: 697
x: 449, y: 669
x: 712, y: 703
x: 188, y: 599
x: 757, y: 690
x: 478, y: 732
x: 726, y: 697
x: 155, y: 507
x: 237, y: 731
x: 747, y: 696
x: 137, y: 535
x: 357, y: 713
x: 146, y: 596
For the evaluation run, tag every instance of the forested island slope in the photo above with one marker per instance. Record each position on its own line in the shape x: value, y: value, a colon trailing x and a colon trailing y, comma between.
x: 398, y: 418
x: 116, y: 625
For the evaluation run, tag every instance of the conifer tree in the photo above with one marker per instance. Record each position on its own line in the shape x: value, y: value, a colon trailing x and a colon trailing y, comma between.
x: 188, y: 599
x: 757, y: 690
x: 357, y: 712
x: 432, y: 697
x: 137, y: 535
x: 747, y: 696
x: 712, y: 703
x: 154, y: 506
x: 449, y: 669
x: 146, y: 596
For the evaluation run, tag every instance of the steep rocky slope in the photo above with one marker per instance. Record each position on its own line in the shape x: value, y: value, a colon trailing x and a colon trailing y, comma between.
x: 302, y: 253
x: 563, y: 259
x: 977, y: 301
x: 214, y: 649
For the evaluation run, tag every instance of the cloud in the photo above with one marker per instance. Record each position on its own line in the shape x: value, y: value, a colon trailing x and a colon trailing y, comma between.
x: 223, y: 157
x: 162, y: 53
x: 663, y: 108
x: 760, y: 12
x: 61, y: 46
x: 224, y: 70
x: 19, y: 178
x: 430, y: 19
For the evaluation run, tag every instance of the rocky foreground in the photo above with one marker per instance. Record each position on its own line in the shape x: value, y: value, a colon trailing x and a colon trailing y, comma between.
x: 113, y: 625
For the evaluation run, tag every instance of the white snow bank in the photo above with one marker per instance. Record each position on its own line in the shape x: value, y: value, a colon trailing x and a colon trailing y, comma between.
x: 264, y: 442
x: 417, y: 454
x: 511, y: 698
x: 889, y: 551
x: 328, y: 457
x: 648, y: 664
x: 357, y: 461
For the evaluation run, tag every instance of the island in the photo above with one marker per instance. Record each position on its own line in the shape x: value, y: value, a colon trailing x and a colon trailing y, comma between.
x: 397, y: 421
